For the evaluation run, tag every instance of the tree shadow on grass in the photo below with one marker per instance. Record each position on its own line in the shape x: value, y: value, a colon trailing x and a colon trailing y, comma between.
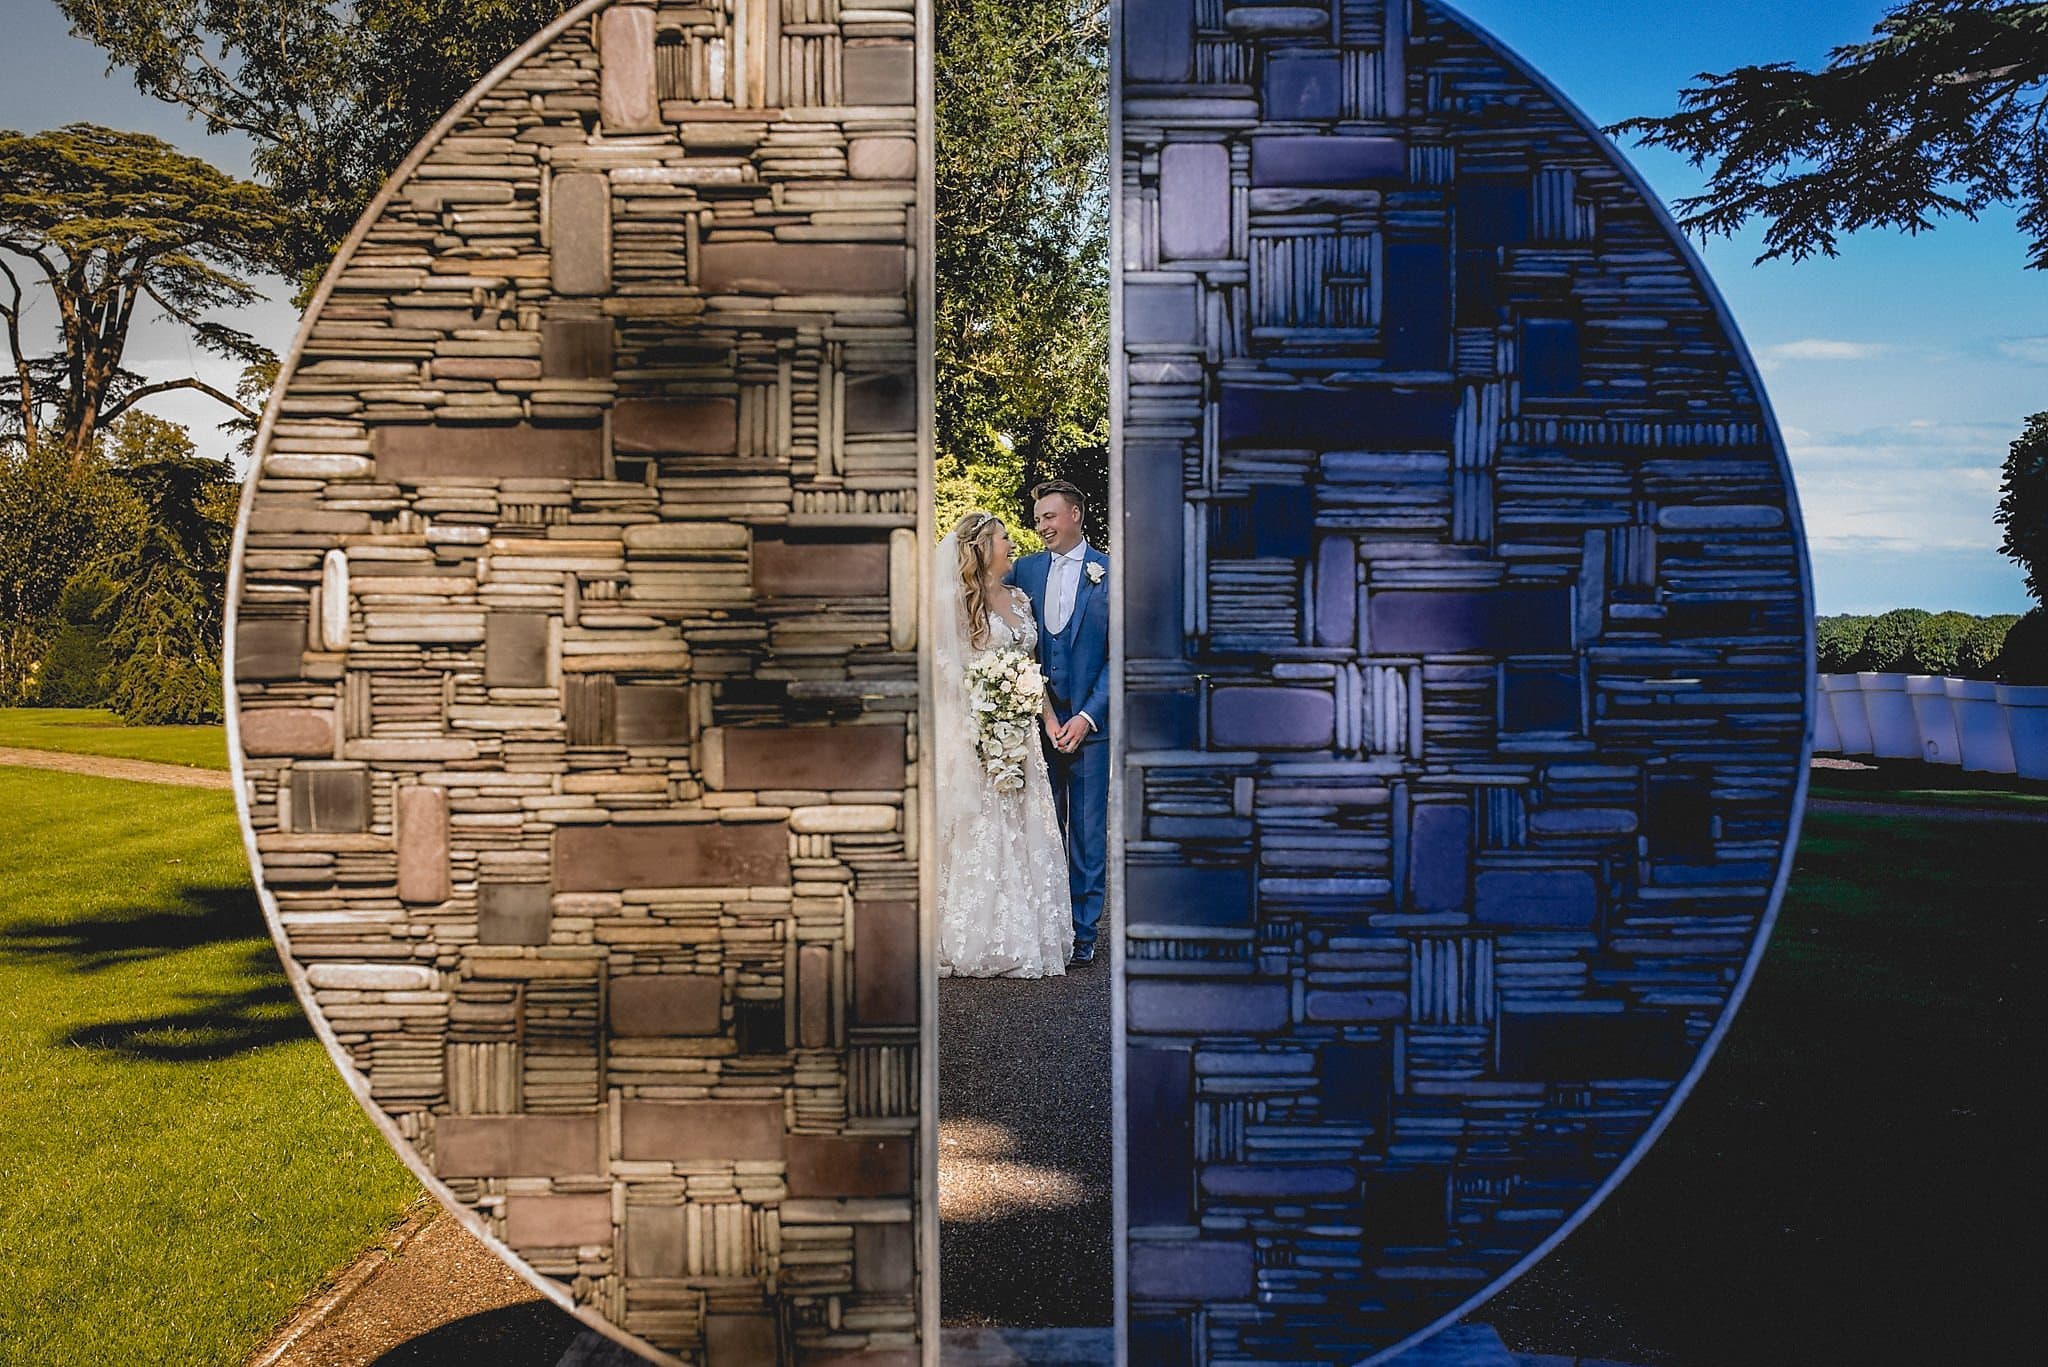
x: 214, y: 1027
x: 201, y: 915
x: 254, y: 1011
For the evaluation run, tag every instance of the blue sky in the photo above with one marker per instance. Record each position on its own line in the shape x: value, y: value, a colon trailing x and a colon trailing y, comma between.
x: 1899, y: 371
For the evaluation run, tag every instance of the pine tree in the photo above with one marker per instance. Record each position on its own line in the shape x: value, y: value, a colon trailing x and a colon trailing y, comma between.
x: 113, y: 222
x: 165, y: 613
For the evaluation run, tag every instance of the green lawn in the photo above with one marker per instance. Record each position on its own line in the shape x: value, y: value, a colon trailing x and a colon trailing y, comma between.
x: 95, y: 731
x: 1937, y: 797
x: 1853, y: 1181
x: 179, y: 1162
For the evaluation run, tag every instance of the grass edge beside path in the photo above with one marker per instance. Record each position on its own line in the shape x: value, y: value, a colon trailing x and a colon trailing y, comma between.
x: 182, y: 1165
x: 96, y: 731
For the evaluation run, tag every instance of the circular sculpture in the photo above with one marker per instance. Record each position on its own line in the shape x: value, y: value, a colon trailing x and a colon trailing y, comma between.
x: 574, y: 673
x: 1465, y: 625
x: 574, y: 701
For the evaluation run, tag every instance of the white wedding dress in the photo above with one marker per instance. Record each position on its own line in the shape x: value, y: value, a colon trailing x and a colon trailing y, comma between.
x: 1004, y: 908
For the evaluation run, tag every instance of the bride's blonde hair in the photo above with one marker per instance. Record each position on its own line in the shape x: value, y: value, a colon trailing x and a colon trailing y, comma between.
x: 976, y: 536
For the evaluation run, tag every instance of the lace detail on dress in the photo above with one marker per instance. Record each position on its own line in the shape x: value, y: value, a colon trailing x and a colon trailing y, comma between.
x: 1004, y: 906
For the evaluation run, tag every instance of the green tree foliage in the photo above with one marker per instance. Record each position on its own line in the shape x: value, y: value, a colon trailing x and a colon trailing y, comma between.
x: 77, y: 667
x: 1022, y: 254
x: 1888, y: 644
x: 332, y: 96
x: 165, y: 612
x: 1938, y: 642
x: 1982, y: 644
x: 253, y: 389
x: 1939, y: 113
x: 2024, y: 660
x: 2023, y: 505
x: 1910, y: 640
x: 56, y: 517
x: 111, y: 221
x: 1838, y: 643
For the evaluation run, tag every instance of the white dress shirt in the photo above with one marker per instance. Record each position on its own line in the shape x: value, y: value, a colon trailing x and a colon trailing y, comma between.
x: 1063, y: 585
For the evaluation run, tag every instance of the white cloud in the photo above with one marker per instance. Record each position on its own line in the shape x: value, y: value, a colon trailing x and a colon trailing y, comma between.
x: 1895, y: 522
x: 1824, y: 349
x: 2032, y: 350
x: 1924, y: 486
x: 1920, y: 444
x: 159, y: 349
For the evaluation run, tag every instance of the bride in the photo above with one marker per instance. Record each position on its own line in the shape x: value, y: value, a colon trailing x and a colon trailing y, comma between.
x: 1004, y: 908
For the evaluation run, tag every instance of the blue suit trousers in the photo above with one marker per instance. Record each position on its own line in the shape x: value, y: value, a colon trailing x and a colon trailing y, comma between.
x: 1080, y: 786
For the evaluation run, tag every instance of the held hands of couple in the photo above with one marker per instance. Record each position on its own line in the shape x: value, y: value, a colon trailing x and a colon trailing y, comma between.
x: 1067, y: 736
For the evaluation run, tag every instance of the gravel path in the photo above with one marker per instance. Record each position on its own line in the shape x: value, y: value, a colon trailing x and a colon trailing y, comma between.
x: 106, y: 766
x: 1024, y: 1200
x: 431, y: 1296
x: 1025, y: 1196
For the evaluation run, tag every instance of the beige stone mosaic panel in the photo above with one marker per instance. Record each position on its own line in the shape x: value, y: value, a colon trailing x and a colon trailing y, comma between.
x: 574, y: 672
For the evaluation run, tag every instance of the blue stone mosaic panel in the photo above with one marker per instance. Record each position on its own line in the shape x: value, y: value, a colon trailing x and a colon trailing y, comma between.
x: 1464, y: 671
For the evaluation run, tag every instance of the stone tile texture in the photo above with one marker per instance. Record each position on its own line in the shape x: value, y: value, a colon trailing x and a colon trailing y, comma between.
x: 1464, y: 671
x: 577, y: 701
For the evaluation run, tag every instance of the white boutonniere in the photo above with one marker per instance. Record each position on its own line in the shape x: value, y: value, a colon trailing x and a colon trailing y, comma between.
x: 1094, y: 573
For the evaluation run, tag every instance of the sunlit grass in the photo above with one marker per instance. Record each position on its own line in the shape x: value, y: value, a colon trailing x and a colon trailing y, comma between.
x: 95, y: 731
x: 179, y: 1163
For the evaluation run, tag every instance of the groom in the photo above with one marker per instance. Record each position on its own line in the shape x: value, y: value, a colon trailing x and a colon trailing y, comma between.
x: 1068, y: 584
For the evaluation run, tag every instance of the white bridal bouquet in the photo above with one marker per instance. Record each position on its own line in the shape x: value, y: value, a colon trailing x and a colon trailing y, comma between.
x: 1008, y: 693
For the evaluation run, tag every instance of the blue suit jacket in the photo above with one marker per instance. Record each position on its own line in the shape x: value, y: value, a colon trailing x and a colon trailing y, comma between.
x: 1076, y: 662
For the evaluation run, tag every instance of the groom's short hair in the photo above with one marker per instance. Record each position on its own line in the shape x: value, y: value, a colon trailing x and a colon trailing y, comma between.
x: 1060, y: 486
